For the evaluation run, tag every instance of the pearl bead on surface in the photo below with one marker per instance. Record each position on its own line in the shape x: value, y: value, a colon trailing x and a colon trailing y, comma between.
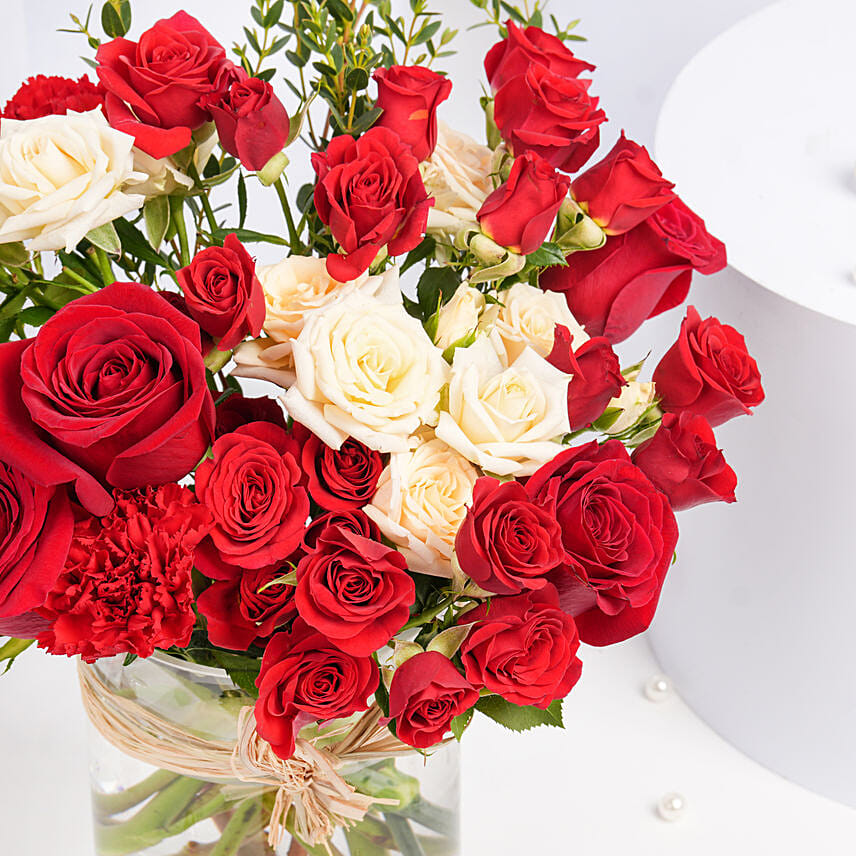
x: 671, y: 807
x: 658, y: 688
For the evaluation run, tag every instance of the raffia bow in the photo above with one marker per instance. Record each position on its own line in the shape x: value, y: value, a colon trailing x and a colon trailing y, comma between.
x: 309, y: 782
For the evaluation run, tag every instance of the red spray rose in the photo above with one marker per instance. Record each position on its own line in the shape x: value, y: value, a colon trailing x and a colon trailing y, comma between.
x: 355, y: 591
x: 238, y: 410
x: 247, y: 608
x: 521, y: 213
x: 550, y: 115
x: 252, y: 487
x: 523, y: 648
x: 426, y: 694
x: 111, y: 389
x: 523, y: 48
x: 126, y: 587
x: 623, y: 189
x: 619, y: 533
x: 507, y: 543
x: 303, y: 674
x: 596, y: 376
x: 353, y: 521
x: 53, y: 96
x: 370, y: 193
x: 223, y: 293
x: 35, y: 533
x: 639, y: 274
x: 682, y: 460
x: 708, y: 371
x: 155, y: 86
x: 409, y: 96
x: 252, y: 123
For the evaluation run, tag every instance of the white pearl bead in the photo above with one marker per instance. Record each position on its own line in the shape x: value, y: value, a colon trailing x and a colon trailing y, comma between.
x: 658, y: 688
x: 671, y: 807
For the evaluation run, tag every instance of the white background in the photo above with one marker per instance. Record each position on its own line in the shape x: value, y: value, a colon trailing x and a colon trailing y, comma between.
x: 591, y: 789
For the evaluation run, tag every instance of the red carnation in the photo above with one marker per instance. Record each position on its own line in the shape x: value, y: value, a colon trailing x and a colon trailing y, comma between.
x: 426, y: 694
x: 523, y: 648
x: 238, y: 410
x: 126, y: 587
x: 223, y: 293
x: 355, y: 591
x: 682, y: 460
x: 303, y: 674
x: 355, y: 521
x: 53, y: 96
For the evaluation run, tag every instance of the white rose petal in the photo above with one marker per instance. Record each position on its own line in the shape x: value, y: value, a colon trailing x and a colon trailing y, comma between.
x: 634, y: 402
x: 459, y: 318
x: 61, y: 177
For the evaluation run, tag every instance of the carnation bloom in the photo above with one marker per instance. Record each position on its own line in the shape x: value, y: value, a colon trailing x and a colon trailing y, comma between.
x: 53, y: 96
x: 126, y: 586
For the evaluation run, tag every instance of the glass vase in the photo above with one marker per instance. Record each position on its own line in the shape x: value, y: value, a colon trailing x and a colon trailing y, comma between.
x: 143, y: 810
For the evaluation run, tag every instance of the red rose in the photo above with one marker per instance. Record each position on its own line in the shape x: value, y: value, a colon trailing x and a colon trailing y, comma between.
x: 507, y: 543
x: 619, y: 533
x: 521, y: 213
x: 252, y: 123
x: 596, y: 376
x: 247, y: 608
x: 550, y: 115
x: 355, y: 591
x: 303, y: 674
x: 708, y: 371
x: 126, y: 587
x: 252, y: 487
x: 623, y: 189
x: 155, y: 86
x: 682, y: 460
x: 223, y: 293
x: 338, y: 480
x: 370, y: 193
x: 409, y: 96
x: 353, y: 521
x: 111, y: 389
x: 35, y: 533
x: 523, y: 648
x: 427, y: 693
x: 238, y: 410
x: 639, y: 274
x: 514, y: 55
x: 53, y: 96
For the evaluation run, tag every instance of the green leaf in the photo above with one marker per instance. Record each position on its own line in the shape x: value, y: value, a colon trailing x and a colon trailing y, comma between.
x: 519, y: 718
x: 137, y: 244
x: 241, y: 669
x: 435, y: 287
x: 427, y: 32
x: 156, y: 216
x: 364, y: 122
x: 129, y: 658
x: 105, y: 238
x: 547, y: 255
x: 382, y: 698
x: 242, y: 200
x: 14, y: 255
x: 248, y: 236
x: 116, y: 18
x: 14, y: 305
x: 357, y: 78
x: 422, y: 252
x: 35, y: 316
x: 340, y: 11
x: 273, y: 15
x: 460, y: 723
x: 13, y: 649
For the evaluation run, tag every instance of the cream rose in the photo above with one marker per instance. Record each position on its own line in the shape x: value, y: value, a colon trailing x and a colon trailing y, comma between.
x: 420, y: 503
x: 458, y: 176
x: 459, y: 318
x: 635, y: 401
x: 365, y: 369
x: 508, y: 419
x: 61, y: 177
x: 528, y: 316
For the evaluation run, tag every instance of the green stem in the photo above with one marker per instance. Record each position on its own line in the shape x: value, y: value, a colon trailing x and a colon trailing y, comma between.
x: 293, y: 236
x: 106, y: 805
x: 203, y: 196
x: 79, y: 280
x: 237, y: 829
x: 407, y: 843
x: 430, y: 614
x: 104, y: 266
x: 433, y: 817
x: 176, y: 206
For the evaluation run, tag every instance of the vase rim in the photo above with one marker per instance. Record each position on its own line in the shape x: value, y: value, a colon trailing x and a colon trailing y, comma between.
x: 186, y: 666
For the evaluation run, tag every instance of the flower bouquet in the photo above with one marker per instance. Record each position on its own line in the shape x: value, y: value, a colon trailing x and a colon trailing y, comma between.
x: 288, y: 608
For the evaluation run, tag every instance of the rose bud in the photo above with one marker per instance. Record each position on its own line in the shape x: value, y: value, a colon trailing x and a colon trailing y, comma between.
x: 409, y: 97
x: 521, y: 213
x: 223, y: 293
x: 426, y: 694
x: 596, y: 376
x: 550, y: 115
x: 53, y: 96
x: 708, y: 371
x: 458, y: 319
x: 355, y: 521
x: 523, y: 648
x: 682, y: 460
x: 370, y: 193
x: 639, y: 274
x: 522, y: 48
x: 506, y: 543
x: 252, y: 123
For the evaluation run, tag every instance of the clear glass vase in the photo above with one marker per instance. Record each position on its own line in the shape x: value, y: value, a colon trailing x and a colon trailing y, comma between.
x: 140, y: 810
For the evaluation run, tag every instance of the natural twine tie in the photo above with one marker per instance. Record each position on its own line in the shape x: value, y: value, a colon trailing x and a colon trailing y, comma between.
x: 308, y: 782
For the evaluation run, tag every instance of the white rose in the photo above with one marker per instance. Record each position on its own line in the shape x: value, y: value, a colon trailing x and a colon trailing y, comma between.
x: 459, y: 318
x: 635, y: 400
x: 508, y: 419
x: 365, y: 369
x: 458, y: 176
x: 265, y: 359
x: 61, y: 177
x: 528, y: 316
x: 420, y: 503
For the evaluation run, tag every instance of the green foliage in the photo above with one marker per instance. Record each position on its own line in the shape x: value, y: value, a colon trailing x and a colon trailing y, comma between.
x: 519, y: 718
x: 116, y: 18
x: 11, y: 650
x: 499, y: 11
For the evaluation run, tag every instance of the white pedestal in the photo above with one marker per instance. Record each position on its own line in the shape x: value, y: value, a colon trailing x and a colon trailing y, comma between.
x: 757, y: 624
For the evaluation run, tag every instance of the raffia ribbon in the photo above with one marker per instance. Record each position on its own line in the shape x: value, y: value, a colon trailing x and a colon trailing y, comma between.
x: 308, y: 782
